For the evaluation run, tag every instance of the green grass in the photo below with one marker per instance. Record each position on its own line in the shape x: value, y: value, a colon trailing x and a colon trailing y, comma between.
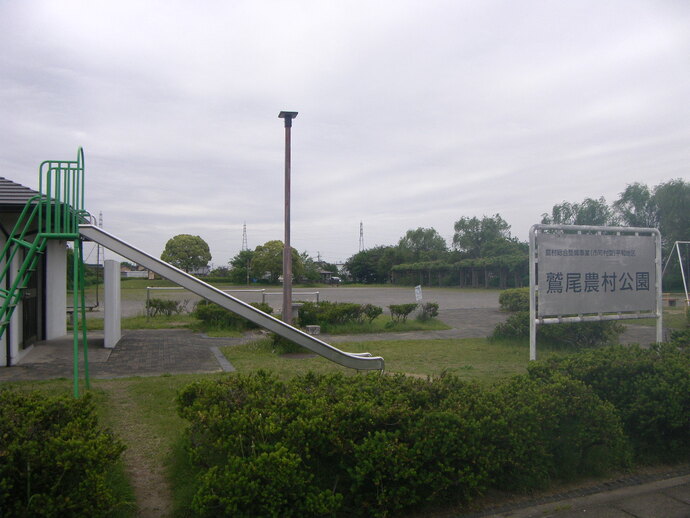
x: 142, y: 322
x: 469, y: 358
x: 674, y: 318
x: 384, y: 324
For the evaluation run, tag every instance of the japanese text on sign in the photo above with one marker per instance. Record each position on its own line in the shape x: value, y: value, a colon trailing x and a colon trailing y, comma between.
x: 586, y: 273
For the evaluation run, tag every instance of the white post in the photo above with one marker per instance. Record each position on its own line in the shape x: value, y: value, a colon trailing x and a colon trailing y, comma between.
x: 659, y: 290
x: 112, y: 306
x: 532, y: 294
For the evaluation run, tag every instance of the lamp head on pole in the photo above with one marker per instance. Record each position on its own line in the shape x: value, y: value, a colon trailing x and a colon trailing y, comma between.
x: 288, y: 116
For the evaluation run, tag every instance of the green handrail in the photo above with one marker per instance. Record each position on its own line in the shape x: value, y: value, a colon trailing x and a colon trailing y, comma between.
x: 54, y: 213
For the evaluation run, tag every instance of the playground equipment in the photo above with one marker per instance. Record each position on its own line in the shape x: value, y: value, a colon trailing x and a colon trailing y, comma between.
x: 57, y: 212
x: 676, y: 248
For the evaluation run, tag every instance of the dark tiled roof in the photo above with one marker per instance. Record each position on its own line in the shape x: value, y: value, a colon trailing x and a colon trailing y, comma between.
x: 12, y: 193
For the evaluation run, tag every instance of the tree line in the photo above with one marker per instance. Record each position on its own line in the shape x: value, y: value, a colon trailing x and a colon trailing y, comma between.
x: 482, y: 252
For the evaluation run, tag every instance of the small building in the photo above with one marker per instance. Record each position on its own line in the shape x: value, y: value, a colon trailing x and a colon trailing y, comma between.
x: 41, y: 313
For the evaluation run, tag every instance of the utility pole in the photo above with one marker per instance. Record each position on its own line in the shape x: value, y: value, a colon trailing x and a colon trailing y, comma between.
x: 287, y: 249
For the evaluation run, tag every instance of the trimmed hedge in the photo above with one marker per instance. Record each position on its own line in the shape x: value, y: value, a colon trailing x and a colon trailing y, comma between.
x: 54, y: 457
x: 328, y: 313
x: 650, y: 389
x: 372, y: 445
x: 214, y: 316
x: 515, y: 299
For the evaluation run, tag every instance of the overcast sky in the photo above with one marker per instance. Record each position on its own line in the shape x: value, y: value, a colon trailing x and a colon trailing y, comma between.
x: 411, y: 113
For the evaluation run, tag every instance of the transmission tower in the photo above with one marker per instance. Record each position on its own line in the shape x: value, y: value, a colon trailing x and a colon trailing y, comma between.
x: 361, y: 236
x: 244, y: 237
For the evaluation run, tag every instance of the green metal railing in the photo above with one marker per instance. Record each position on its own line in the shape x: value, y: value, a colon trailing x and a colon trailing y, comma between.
x: 55, y: 213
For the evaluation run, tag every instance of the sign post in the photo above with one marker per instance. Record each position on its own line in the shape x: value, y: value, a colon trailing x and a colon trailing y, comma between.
x: 589, y: 274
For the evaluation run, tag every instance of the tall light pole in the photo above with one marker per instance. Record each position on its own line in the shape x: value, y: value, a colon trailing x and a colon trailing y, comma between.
x: 287, y: 249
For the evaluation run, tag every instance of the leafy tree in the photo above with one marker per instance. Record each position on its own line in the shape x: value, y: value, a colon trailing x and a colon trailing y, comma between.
x: 636, y: 207
x: 589, y: 212
x: 186, y: 252
x: 479, y: 237
x: 311, y: 268
x: 673, y: 201
x: 374, y: 264
x: 268, y: 260
x: 240, y: 265
x: 422, y: 244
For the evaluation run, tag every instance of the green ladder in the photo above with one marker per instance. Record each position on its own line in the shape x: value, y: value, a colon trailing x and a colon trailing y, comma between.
x: 54, y: 213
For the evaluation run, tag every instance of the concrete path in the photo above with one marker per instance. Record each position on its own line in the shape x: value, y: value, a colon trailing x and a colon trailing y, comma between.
x: 661, y: 496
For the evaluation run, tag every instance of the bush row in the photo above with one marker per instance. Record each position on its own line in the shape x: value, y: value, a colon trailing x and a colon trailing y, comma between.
x: 54, y: 457
x: 327, y: 313
x: 214, y: 316
x: 650, y: 388
x: 516, y: 326
x: 372, y: 445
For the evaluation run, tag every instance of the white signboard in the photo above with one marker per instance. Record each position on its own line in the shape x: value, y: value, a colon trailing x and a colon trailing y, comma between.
x: 418, y: 293
x: 585, y: 274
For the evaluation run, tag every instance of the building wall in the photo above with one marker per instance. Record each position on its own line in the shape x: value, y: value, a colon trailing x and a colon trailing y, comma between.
x: 55, y: 292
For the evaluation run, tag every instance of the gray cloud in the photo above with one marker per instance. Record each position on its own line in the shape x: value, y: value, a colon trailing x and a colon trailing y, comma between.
x: 411, y: 113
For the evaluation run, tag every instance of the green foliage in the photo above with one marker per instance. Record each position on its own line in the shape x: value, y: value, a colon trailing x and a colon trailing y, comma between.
x: 589, y: 212
x: 516, y: 299
x: 583, y: 334
x: 516, y: 326
x: 272, y: 482
x: 422, y: 244
x: 378, y: 446
x: 400, y: 312
x: 214, y: 316
x: 371, y: 312
x: 327, y: 313
x: 267, y: 260
x: 240, y: 267
x: 186, y: 252
x: 672, y: 200
x: 553, y: 427
x: 482, y: 237
x: 636, y: 207
x: 54, y: 458
x: 163, y: 307
x: 427, y: 311
x: 650, y: 388
x: 374, y: 264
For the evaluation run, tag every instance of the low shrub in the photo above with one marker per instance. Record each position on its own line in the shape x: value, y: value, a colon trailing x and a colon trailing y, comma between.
x: 400, y: 312
x: 515, y: 299
x: 163, y: 307
x: 327, y: 313
x: 650, y: 388
x: 54, y: 457
x: 554, y: 428
x: 427, y: 311
x: 371, y: 312
x: 585, y: 334
x: 214, y: 316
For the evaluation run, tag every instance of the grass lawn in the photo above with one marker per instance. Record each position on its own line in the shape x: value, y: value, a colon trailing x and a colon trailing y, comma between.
x: 469, y: 358
x: 674, y: 318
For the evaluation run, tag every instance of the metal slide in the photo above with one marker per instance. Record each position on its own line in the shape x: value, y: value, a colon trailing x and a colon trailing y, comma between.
x: 360, y: 361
